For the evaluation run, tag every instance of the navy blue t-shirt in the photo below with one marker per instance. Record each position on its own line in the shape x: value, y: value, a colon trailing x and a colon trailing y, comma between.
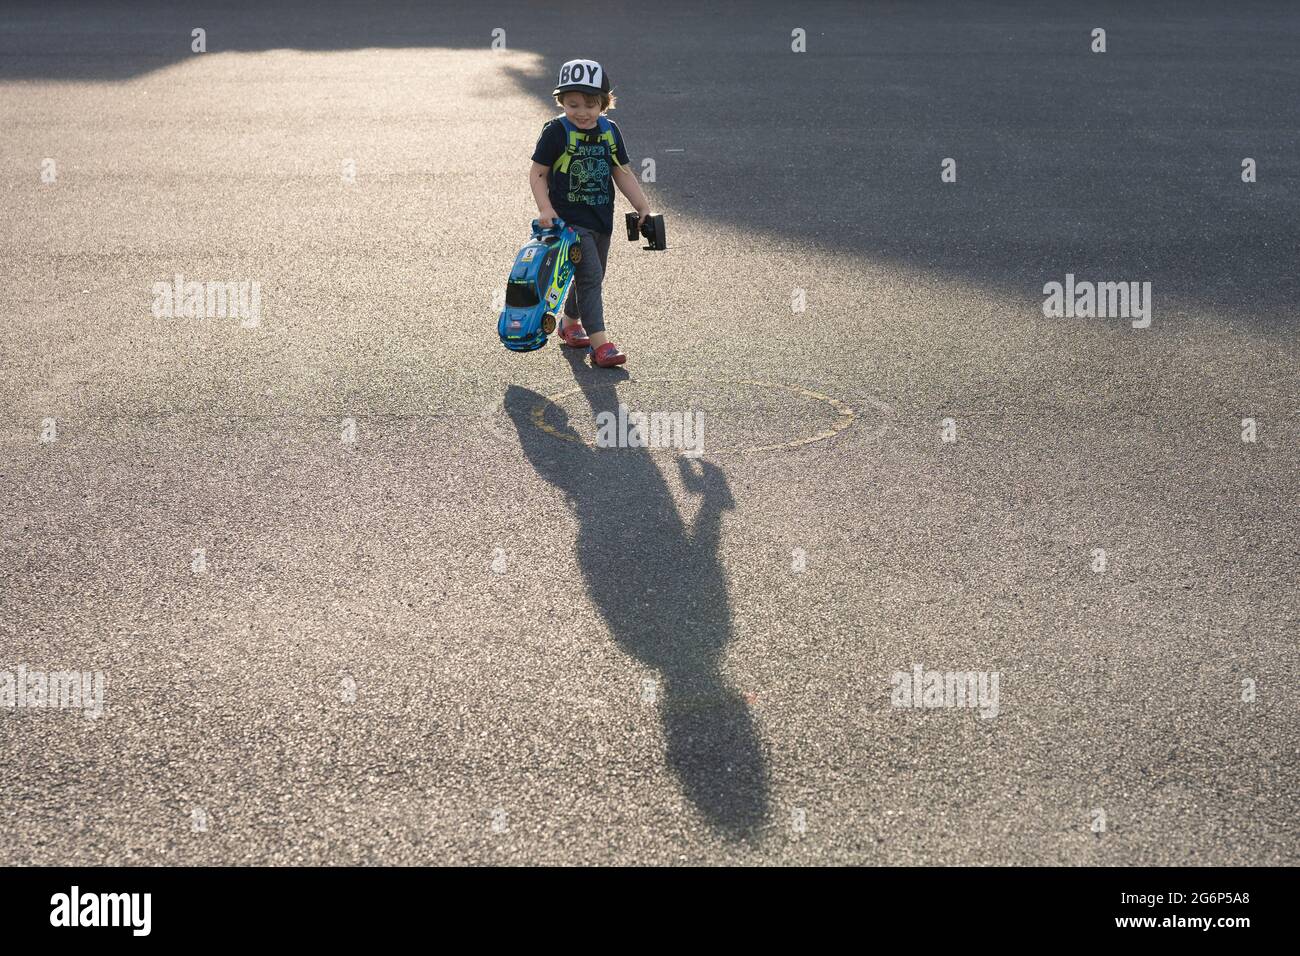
x: 581, y: 186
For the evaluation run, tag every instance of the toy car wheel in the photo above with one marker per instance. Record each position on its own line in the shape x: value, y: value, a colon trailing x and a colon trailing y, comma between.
x: 548, y: 323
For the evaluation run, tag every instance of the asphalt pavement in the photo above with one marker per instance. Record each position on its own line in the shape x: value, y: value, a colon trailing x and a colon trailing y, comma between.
x: 361, y: 586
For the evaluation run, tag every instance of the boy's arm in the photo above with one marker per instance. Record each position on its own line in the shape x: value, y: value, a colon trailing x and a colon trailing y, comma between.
x: 537, y: 181
x: 630, y: 187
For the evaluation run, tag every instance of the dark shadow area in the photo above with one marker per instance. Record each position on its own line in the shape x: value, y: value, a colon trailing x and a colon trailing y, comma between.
x: 1123, y: 165
x: 1115, y: 166
x: 661, y: 588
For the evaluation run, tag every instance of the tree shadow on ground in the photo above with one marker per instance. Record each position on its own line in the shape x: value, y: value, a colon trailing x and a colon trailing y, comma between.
x: 1115, y: 166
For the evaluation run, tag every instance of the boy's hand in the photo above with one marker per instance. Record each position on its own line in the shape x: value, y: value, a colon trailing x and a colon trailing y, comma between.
x: 644, y: 212
x: 546, y: 218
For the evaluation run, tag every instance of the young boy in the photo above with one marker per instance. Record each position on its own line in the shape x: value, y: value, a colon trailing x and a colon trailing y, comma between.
x: 576, y: 159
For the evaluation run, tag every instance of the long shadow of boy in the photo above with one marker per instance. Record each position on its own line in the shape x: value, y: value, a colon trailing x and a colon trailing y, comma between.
x: 662, y: 591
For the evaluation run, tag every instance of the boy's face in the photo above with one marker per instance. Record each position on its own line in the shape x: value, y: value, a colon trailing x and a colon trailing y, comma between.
x: 581, y: 108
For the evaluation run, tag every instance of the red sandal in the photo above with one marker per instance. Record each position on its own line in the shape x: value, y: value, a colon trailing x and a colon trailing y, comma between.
x: 574, y: 335
x: 608, y: 355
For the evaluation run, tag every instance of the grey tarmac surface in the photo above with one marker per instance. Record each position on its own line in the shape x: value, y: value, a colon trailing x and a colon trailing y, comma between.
x: 468, y: 636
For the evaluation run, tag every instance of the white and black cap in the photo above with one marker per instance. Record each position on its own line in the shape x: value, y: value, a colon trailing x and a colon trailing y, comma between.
x: 585, y: 76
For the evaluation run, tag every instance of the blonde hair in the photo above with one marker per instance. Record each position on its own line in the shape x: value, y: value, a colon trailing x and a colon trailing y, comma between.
x: 607, y: 100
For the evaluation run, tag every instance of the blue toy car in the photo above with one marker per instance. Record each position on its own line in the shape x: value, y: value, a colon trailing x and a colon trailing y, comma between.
x: 537, y: 285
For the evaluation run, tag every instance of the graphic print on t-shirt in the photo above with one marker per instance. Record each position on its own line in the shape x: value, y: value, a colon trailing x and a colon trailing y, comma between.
x: 580, y: 184
x: 589, y: 176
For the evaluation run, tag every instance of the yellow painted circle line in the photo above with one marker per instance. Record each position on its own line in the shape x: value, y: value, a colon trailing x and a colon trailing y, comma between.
x: 843, y: 419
